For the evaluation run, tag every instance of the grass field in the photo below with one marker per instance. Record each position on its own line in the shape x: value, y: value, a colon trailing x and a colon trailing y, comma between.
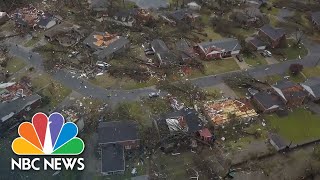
x: 217, y: 67
x: 255, y: 60
x: 14, y: 65
x: 299, y: 126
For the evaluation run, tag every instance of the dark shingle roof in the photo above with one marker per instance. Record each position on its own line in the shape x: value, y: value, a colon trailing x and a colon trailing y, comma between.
x: 112, y: 158
x: 268, y: 100
x: 314, y: 84
x: 273, y: 33
x: 316, y: 17
x: 284, y: 84
x: 117, y: 131
x: 278, y: 141
x: 159, y: 46
x: 257, y: 42
x: 228, y: 44
x: 9, y: 109
x: 112, y: 48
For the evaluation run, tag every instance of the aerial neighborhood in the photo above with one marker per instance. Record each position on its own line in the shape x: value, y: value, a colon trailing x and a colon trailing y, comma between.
x: 159, y: 89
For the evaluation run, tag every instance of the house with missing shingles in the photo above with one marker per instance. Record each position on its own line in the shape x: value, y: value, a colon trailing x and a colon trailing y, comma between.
x: 106, y: 45
x: 164, y: 55
x: 114, y: 139
x: 12, y: 112
x: 185, y: 120
x: 99, y: 5
x: 218, y: 49
x: 185, y: 50
x: 312, y: 86
x: 274, y: 37
x: 292, y: 94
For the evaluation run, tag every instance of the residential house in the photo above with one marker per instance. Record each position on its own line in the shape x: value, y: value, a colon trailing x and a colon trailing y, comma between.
x: 267, y: 102
x: 185, y: 120
x: 185, y: 50
x: 12, y: 112
x: 218, y: 49
x: 312, y: 86
x: 164, y: 55
x: 46, y: 21
x: 315, y: 18
x: 11, y: 91
x: 106, y: 45
x: 257, y: 3
x: 100, y: 5
x: 66, y: 34
x: 3, y: 17
x: 274, y: 37
x: 292, y: 94
x: 248, y: 17
x: 183, y: 15
x: 114, y: 138
x: 256, y: 44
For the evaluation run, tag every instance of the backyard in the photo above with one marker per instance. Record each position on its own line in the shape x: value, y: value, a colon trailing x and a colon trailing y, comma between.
x: 299, y: 126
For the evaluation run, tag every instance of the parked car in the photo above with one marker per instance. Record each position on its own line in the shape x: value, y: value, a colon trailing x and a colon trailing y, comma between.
x: 266, y: 53
x: 154, y: 95
x: 239, y: 57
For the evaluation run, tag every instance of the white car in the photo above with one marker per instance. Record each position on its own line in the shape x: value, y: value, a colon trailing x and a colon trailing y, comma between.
x: 268, y: 53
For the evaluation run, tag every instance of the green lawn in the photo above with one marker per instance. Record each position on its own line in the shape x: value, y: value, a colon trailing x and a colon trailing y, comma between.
x: 45, y: 86
x: 217, y: 67
x: 291, y: 51
x: 311, y: 71
x: 299, y: 126
x: 253, y: 60
x: 14, y: 65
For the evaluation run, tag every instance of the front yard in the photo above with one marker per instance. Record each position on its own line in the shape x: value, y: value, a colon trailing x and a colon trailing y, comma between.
x: 14, y: 65
x: 299, y: 126
x: 254, y: 60
x: 292, y: 51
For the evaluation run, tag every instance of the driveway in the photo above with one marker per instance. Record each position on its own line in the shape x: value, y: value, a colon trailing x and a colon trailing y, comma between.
x: 243, y: 65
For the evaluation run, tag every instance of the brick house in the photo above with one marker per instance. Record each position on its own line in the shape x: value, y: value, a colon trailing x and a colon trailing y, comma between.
x: 218, y: 49
x: 292, y: 94
x: 115, y: 138
x: 274, y: 37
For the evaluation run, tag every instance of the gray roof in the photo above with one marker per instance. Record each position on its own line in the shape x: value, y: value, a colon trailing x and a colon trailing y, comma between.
x: 103, y: 52
x: 99, y: 4
x: 316, y: 17
x: 112, y: 158
x: 314, y: 84
x: 117, y: 131
x: 273, y: 33
x: 257, y: 42
x: 268, y: 100
x: 167, y: 57
x: 144, y: 177
x: 45, y: 19
x: 229, y: 44
x: 159, y: 46
x: 112, y: 48
x: 9, y: 109
x: 284, y: 84
x: 278, y: 141
x: 183, y: 44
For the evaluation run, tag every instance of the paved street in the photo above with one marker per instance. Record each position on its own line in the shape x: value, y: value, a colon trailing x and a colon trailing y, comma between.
x: 115, y: 96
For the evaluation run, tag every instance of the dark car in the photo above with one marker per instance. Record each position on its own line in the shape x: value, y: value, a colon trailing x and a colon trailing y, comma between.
x: 239, y: 57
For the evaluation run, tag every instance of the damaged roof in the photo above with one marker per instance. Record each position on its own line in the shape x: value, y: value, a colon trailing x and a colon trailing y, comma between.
x: 10, y: 109
x: 314, y: 85
x: 268, y: 100
x: 158, y: 45
x: 289, y: 89
x: 316, y: 17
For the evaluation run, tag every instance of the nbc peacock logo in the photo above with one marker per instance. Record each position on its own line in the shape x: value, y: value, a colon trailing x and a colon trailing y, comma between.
x: 48, y: 136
